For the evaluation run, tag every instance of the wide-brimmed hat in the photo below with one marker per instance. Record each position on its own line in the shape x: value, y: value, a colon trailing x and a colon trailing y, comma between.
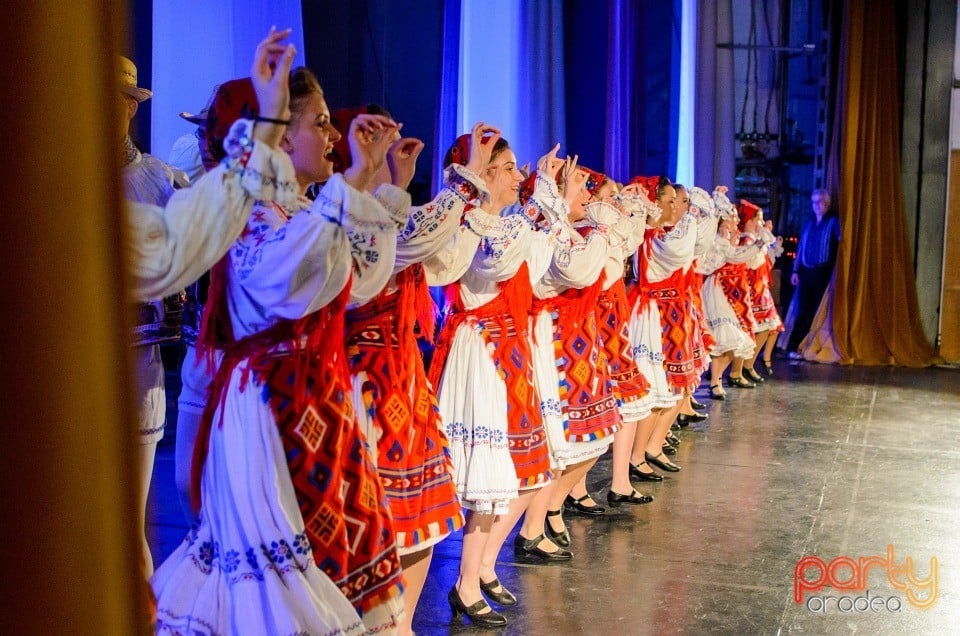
x: 200, y: 119
x: 128, y: 81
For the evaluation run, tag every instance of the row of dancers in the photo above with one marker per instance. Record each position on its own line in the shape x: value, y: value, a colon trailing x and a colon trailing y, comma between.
x: 324, y: 460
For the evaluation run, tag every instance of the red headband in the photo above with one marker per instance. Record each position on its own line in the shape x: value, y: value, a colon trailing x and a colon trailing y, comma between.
x: 650, y: 184
x: 595, y: 180
x: 747, y: 211
x: 460, y: 151
x: 341, y: 119
x: 233, y: 100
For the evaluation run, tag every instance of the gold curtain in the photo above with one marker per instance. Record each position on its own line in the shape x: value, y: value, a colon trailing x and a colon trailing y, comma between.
x: 870, y: 313
x: 70, y: 552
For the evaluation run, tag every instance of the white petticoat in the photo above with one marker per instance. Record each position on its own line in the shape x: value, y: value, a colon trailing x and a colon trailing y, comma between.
x: 563, y: 452
x: 646, y: 336
x: 723, y: 322
x: 473, y: 407
x: 248, y: 568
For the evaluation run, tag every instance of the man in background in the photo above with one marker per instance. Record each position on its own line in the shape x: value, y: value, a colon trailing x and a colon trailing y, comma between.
x: 813, y: 267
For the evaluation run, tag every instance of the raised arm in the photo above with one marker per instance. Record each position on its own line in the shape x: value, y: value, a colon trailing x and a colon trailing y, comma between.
x: 170, y: 247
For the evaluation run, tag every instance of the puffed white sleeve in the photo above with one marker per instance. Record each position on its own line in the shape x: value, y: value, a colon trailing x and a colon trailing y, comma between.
x: 453, y: 260
x: 714, y: 257
x: 295, y: 267
x: 170, y: 247
x: 578, y: 261
x: 668, y: 251
x: 747, y: 253
x: 428, y: 229
x: 546, y: 205
x: 371, y: 231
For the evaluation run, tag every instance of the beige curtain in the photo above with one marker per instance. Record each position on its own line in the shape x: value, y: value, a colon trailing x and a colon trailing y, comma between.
x: 869, y: 314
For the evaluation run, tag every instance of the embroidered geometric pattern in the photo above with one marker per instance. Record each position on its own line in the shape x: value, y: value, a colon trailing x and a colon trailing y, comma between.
x: 736, y: 288
x: 678, y: 330
x: 337, y: 487
x: 613, y: 311
x: 586, y: 392
x: 413, y: 456
x: 764, y: 309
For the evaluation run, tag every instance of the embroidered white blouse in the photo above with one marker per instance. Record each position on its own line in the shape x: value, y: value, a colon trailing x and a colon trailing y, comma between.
x: 171, y: 246
x: 290, y: 262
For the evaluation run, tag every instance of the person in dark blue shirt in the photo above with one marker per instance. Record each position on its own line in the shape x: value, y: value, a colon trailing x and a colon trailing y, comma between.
x: 816, y: 256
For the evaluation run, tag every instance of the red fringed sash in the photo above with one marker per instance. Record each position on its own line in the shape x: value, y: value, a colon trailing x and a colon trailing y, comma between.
x: 413, y: 458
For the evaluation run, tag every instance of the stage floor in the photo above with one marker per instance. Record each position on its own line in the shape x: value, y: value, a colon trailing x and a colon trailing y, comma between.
x: 820, y: 461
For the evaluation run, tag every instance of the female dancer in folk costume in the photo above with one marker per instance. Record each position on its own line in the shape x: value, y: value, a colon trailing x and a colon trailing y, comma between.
x: 730, y: 339
x: 483, y: 371
x: 577, y: 398
x: 625, y: 214
x: 661, y: 325
x: 295, y: 535
x: 397, y: 406
x: 726, y: 298
x: 768, y: 323
x: 701, y: 339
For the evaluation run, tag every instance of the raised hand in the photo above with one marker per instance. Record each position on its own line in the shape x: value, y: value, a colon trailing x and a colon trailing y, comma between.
x: 402, y: 159
x: 370, y: 136
x: 270, y: 74
x: 482, y: 140
x: 769, y: 225
x: 574, y: 182
x: 548, y: 164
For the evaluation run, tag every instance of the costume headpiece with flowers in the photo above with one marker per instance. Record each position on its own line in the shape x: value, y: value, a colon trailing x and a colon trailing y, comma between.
x: 701, y: 199
x: 595, y: 180
x: 650, y: 184
x: 728, y: 211
x: 233, y: 100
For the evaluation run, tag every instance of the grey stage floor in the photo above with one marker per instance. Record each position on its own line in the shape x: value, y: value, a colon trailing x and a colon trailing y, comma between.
x: 820, y: 461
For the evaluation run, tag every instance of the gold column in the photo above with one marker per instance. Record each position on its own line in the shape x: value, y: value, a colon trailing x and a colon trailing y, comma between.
x: 67, y: 442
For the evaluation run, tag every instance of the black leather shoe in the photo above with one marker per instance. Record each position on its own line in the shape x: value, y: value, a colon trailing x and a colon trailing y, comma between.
x: 675, y: 427
x: 673, y: 440
x: 662, y: 463
x: 717, y: 393
x: 616, y: 500
x: 576, y: 506
x: 487, y: 619
x: 740, y: 382
x: 686, y: 420
x: 529, y: 551
x: 639, y: 475
x: 562, y: 539
x: 668, y: 449
x: 503, y: 597
x: 768, y: 366
x: 753, y: 376
x: 697, y: 405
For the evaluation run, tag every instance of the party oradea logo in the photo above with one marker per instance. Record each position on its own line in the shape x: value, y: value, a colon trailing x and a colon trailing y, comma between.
x: 862, y: 585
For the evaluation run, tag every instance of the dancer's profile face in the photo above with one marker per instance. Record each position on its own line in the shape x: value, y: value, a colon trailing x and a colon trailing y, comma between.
x: 667, y: 203
x: 578, y: 209
x: 503, y: 179
x: 311, y: 141
x: 606, y: 192
x: 683, y: 202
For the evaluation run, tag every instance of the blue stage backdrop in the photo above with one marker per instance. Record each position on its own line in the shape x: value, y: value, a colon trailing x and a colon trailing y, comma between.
x: 602, y: 78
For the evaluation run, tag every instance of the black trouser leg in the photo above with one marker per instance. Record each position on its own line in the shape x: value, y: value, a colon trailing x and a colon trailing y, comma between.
x: 812, y: 284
